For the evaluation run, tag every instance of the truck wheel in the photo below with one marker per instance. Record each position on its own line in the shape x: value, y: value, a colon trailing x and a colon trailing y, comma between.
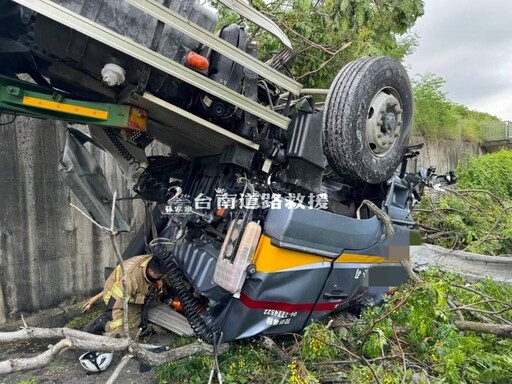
x: 367, y: 119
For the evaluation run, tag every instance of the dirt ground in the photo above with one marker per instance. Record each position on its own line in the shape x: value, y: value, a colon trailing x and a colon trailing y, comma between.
x: 67, y: 369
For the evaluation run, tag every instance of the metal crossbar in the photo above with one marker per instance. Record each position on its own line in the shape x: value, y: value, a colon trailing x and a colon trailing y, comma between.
x: 156, y: 60
x: 180, y: 23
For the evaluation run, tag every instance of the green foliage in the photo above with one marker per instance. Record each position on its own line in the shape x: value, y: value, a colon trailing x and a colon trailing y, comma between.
x: 191, y: 370
x: 433, y: 339
x: 468, y: 219
x: 473, y: 222
x: 243, y: 363
x: 31, y: 381
x: 299, y: 374
x: 492, y: 171
x: 318, y: 343
x: 81, y: 321
x: 435, y: 116
x: 334, y: 31
x: 416, y: 323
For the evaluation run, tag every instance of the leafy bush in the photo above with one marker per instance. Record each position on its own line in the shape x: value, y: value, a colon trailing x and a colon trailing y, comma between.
x: 245, y: 362
x: 431, y: 337
x: 474, y: 222
x: 477, y: 215
x: 492, y: 172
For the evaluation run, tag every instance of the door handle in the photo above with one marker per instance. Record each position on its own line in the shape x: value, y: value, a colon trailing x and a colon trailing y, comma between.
x: 331, y: 296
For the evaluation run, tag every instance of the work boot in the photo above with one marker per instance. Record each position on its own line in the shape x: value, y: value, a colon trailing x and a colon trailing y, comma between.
x: 97, y: 326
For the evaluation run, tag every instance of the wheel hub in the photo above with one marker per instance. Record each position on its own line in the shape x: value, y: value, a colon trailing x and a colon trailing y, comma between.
x: 384, y: 122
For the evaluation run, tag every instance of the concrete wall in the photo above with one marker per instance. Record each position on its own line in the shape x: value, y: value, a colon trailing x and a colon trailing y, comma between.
x: 49, y: 252
x: 443, y: 154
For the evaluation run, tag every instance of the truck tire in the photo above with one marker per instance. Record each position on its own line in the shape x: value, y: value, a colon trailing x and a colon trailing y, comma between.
x: 367, y: 119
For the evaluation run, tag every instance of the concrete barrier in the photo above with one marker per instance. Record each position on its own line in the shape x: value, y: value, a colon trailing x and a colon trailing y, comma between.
x: 469, y: 265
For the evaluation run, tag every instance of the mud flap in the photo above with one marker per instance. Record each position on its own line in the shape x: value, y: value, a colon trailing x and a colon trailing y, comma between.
x: 85, y: 178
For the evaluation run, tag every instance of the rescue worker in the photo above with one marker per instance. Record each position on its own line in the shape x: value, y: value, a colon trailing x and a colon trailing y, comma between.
x: 143, y: 275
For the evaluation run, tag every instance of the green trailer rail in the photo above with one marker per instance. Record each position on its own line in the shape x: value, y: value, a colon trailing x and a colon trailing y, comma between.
x: 21, y: 98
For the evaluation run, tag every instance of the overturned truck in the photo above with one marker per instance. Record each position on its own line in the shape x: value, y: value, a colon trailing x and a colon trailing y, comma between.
x: 270, y: 211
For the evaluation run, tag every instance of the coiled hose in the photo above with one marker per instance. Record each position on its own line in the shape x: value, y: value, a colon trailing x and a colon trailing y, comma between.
x: 200, y: 321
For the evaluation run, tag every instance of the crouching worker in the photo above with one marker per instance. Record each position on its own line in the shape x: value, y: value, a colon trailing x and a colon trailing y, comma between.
x: 143, y: 276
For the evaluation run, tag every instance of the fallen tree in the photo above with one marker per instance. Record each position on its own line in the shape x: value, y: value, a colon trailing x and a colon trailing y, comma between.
x: 73, y: 339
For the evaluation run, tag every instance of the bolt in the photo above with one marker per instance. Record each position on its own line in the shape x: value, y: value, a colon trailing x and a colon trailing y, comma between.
x: 379, y: 136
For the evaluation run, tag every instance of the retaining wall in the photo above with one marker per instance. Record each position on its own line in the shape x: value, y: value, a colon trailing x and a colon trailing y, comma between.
x: 49, y: 252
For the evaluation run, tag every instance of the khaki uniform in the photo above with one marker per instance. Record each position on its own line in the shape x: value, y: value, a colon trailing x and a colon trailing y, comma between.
x: 137, y: 285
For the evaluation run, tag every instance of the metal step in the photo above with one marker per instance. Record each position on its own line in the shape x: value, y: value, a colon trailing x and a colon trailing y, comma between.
x: 168, y: 318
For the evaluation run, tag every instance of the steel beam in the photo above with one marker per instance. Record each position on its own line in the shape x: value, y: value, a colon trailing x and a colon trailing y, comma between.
x: 152, y: 58
x: 18, y: 97
x: 258, y: 18
x: 219, y: 45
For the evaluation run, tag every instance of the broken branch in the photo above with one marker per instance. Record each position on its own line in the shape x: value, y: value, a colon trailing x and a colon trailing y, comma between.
x: 16, y: 365
x: 495, y: 329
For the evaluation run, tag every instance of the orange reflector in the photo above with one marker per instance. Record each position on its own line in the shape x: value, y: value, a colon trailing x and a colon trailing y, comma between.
x: 197, y: 61
x: 138, y: 119
x: 220, y: 212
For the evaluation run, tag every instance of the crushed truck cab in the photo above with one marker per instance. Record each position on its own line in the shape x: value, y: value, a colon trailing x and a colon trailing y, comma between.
x: 270, y: 211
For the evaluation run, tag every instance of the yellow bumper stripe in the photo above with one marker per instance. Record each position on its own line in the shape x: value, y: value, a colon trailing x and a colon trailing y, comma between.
x: 65, y: 108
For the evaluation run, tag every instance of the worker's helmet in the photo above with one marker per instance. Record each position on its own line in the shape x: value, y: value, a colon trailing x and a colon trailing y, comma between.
x: 96, y: 361
x: 156, y: 265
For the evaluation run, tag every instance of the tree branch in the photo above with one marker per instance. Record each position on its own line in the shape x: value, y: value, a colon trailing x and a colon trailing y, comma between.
x: 495, y: 329
x: 16, y: 365
x: 269, y: 344
x: 113, y: 377
x: 321, y: 66
x: 74, y: 339
x: 404, y: 363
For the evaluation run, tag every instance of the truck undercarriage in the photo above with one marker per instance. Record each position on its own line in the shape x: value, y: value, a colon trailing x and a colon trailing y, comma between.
x: 270, y: 211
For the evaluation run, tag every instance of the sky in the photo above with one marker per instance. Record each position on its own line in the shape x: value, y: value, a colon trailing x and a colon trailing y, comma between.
x: 469, y: 44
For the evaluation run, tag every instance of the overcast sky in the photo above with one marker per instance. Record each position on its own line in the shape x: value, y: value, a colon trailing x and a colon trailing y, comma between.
x: 469, y: 44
